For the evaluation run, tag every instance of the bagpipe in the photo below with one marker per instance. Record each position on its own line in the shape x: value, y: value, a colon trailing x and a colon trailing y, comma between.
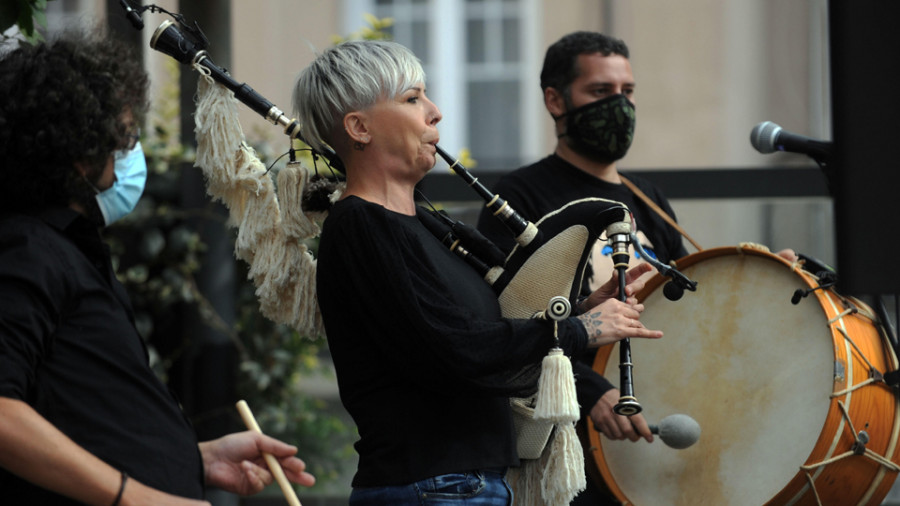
x: 540, y: 277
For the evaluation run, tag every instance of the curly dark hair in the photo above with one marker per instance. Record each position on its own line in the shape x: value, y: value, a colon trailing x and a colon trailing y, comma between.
x: 63, y: 103
x: 560, y: 62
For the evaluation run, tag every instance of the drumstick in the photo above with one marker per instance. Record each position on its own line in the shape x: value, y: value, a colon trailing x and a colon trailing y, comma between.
x: 271, y: 461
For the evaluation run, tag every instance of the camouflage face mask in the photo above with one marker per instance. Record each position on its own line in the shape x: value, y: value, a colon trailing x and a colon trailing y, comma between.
x: 602, y: 130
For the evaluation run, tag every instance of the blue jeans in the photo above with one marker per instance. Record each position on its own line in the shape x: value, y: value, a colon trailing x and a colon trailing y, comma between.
x: 476, y: 488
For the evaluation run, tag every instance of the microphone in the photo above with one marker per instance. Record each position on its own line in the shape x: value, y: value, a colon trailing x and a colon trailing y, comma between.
x: 673, y: 291
x: 767, y: 137
x: 677, y: 431
x: 133, y: 16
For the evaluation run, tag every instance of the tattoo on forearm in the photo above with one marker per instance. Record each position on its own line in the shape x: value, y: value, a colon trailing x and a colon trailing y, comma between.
x: 592, y: 323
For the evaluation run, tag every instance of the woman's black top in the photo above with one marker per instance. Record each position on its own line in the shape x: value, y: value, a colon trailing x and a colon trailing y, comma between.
x: 425, y: 364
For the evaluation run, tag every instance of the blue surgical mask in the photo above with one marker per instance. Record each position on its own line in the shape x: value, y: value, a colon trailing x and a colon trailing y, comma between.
x: 131, y: 174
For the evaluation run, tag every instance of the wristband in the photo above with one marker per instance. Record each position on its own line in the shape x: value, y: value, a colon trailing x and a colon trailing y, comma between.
x: 121, y: 489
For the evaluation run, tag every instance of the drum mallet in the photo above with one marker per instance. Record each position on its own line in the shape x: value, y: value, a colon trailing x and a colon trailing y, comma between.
x: 271, y: 461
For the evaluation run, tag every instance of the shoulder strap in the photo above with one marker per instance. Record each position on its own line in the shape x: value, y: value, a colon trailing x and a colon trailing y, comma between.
x: 643, y: 196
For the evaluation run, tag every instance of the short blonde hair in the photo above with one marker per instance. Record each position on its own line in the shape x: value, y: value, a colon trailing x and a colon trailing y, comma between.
x: 349, y: 77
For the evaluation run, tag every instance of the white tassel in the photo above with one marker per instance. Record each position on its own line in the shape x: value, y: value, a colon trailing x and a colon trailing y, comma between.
x: 306, y: 316
x: 556, y: 398
x: 563, y: 477
x: 561, y: 467
x: 525, y: 482
x: 513, y: 478
x: 292, y: 181
x: 260, y: 223
x: 282, y: 268
x: 217, y: 128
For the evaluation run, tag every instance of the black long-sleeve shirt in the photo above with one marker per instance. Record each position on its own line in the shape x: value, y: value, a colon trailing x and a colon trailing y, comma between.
x: 425, y: 364
x: 69, y: 349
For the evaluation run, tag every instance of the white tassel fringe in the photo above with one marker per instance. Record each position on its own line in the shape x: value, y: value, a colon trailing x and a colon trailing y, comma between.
x: 556, y: 398
x: 269, y: 237
x: 558, y: 476
x: 563, y: 476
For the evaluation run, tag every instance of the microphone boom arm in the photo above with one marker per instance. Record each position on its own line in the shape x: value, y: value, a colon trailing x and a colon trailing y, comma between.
x: 682, y: 281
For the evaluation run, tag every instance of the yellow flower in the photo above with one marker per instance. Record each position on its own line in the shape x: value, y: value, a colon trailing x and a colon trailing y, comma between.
x: 465, y: 158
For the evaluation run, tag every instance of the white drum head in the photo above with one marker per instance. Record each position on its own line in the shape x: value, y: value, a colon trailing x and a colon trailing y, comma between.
x: 754, y: 370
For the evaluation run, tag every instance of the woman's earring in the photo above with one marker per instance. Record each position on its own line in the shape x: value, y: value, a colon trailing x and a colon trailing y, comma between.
x: 360, y: 145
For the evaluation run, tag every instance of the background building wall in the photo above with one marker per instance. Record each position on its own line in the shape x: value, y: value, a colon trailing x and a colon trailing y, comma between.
x: 273, y: 41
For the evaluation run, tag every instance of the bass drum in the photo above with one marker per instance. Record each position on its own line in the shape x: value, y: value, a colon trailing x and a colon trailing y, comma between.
x: 788, y: 397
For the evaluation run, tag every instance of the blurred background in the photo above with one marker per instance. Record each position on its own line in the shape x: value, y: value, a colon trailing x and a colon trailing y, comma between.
x: 707, y: 72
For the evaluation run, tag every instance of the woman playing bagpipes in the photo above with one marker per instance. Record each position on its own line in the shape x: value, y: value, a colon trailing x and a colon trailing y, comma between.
x: 425, y: 362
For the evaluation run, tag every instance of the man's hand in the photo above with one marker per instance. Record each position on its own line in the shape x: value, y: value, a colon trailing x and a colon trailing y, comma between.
x: 788, y: 254
x: 616, y: 426
x: 235, y: 462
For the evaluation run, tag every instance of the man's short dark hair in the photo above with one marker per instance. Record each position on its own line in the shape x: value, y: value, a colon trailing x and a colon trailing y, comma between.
x: 63, y: 102
x: 561, y: 60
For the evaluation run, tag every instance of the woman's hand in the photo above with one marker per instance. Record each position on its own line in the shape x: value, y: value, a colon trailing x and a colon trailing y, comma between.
x: 613, y: 321
x: 608, y: 319
x: 634, y: 283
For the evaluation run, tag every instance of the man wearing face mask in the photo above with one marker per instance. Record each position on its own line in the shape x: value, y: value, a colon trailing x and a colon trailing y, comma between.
x: 131, y: 175
x: 588, y: 90
x: 83, y: 418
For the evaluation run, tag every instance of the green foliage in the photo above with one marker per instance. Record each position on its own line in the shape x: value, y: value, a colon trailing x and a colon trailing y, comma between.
x: 28, y: 15
x: 278, y: 367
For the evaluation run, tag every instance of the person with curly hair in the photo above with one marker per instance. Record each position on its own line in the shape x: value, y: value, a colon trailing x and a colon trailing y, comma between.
x: 83, y: 418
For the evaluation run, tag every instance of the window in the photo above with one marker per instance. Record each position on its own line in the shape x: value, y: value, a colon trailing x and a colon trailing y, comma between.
x: 482, y: 60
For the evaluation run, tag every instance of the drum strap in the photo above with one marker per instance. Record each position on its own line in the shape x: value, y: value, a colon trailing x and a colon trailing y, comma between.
x: 658, y: 210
